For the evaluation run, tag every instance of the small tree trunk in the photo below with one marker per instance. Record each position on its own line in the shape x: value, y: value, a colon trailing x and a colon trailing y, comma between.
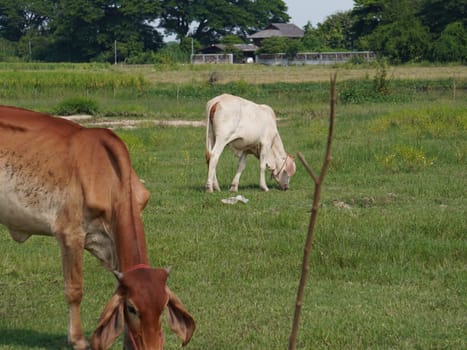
x: 314, y: 214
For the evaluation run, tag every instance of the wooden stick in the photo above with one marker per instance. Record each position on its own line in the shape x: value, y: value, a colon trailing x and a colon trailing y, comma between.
x: 308, y: 167
x: 314, y: 214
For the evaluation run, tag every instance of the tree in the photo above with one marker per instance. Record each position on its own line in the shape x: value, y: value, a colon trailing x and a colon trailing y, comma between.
x: 452, y: 44
x: 18, y: 17
x: 231, y: 40
x: 209, y: 20
x: 279, y: 44
x: 87, y: 29
x: 392, y: 28
x: 335, y: 31
x: 437, y: 14
x: 367, y: 15
x: 80, y: 30
x: 312, y: 40
x: 274, y: 44
x: 293, y: 48
x: 401, y: 41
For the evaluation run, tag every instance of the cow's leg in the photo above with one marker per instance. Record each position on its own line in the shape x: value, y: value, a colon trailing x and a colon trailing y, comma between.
x: 213, y: 160
x: 211, y: 175
x: 262, y: 170
x: 72, y: 247
x: 240, y: 168
x: 215, y: 182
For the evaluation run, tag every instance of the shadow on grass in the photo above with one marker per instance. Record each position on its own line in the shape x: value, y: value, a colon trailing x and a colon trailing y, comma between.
x: 32, y: 339
x: 241, y: 187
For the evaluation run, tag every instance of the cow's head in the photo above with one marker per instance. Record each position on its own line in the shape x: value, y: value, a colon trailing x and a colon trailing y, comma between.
x: 283, y: 170
x: 138, y: 304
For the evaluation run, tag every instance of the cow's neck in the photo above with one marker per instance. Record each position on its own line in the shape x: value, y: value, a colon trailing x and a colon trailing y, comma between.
x: 278, y: 148
x: 130, y: 240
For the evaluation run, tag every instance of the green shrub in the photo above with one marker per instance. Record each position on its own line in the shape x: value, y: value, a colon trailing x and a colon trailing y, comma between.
x: 380, y: 81
x: 77, y: 105
x: 274, y: 44
x: 355, y: 93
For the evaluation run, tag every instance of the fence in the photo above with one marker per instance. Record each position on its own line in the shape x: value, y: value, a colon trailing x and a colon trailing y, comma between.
x: 281, y: 59
x: 315, y: 58
x: 212, y: 58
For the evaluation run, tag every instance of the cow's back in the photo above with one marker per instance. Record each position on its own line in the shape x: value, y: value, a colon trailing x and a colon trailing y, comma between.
x: 54, y: 172
x: 235, y: 118
x: 18, y: 119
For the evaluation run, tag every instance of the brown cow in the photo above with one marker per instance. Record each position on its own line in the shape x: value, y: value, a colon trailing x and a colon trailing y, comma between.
x: 77, y: 184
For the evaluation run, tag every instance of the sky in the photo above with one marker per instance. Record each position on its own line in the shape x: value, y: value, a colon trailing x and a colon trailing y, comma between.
x: 315, y: 11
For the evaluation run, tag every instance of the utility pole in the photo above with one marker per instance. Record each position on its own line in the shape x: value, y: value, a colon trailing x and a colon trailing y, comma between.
x: 115, y: 52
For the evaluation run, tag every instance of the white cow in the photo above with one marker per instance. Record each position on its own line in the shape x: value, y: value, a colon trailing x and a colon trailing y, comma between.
x: 248, y: 128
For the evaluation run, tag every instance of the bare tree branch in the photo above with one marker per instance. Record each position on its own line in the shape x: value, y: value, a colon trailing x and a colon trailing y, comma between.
x: 308, y: 167
x: 314, y: 214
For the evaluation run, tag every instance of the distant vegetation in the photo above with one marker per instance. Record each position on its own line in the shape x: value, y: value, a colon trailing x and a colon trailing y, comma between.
x: 150, y: 91
x: 102, y: 31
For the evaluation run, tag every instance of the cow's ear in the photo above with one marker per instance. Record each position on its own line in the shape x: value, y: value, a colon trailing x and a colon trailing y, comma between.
x: 110, y: 325
x: 290, y: 167
x: 179, y: 319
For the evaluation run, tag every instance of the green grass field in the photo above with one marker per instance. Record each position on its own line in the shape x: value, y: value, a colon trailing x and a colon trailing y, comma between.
x: 389, y: 262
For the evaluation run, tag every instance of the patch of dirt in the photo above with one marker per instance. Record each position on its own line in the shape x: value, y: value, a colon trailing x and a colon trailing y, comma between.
x: 130, y: 123
x: 76, y: 117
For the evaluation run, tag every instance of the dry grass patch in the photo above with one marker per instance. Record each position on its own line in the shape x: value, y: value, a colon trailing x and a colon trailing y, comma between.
x: 259, y: 74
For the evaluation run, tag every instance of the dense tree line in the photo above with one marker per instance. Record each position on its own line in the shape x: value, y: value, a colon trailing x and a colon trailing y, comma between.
x: 400, y: 30
x: 132, y: 30
x: 406, y: 30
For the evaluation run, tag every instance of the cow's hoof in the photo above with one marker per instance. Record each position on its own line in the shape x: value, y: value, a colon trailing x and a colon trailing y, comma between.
x: 80, y: 344
x: 233, y: 188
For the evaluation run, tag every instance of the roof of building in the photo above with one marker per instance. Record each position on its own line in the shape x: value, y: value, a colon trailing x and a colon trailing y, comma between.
x: 288, y: 30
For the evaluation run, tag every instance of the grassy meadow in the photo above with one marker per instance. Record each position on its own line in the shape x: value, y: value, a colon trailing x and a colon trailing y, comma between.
x: 389, y: 262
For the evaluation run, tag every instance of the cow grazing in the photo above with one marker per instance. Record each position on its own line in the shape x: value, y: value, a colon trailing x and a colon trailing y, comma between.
x: 248, y: 128
x: 77, y: 184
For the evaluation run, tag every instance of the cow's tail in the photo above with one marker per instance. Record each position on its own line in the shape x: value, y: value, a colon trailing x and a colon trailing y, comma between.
x: 210, y: 137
